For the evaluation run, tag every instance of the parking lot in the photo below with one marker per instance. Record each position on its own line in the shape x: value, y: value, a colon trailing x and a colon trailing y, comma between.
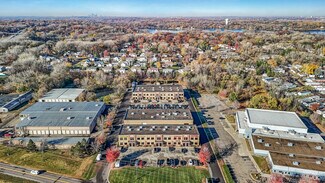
x: 232, y: 150
x: 158, y: 157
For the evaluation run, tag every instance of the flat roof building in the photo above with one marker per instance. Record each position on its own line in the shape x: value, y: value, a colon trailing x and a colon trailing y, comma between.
x: 62, y: 95
x: 159, y: 135
x: 15, y: 102
x: 60, y: 118
x: 291, y: 153
x: 283, y: 138
x: 158, y: 94
x: 158, y: 116
x: 251, y: 119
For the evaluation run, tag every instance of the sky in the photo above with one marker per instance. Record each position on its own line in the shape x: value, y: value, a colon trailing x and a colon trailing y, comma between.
x: 162, y: 8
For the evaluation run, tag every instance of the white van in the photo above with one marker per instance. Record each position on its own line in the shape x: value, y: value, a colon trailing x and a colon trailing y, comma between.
x: 117, y: 163
x: 99, y: 157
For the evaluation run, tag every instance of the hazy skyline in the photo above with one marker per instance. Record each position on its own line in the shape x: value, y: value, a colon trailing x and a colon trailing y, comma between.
x: 162, y: 8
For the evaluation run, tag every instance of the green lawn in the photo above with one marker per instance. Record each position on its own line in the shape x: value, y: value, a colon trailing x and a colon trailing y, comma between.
x: 10, y: 179
x: 158, y: 175
x: 52, y: 160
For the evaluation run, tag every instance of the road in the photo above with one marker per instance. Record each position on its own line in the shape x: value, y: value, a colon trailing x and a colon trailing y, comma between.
x: 44, y: 177
x: 214, y: 167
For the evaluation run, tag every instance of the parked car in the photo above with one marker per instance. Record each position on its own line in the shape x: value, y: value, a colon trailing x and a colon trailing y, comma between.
x: 117, y: 163
x: 190, y: 162
x: 35, y: 172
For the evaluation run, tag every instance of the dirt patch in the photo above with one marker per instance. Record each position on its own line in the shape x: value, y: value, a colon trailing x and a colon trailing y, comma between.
x: 84, y: 166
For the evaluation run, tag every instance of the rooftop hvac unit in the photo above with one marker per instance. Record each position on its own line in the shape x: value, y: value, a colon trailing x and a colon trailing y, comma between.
x: 164, y: 129
x: 267, y: 145
x: 70, y: 117
x: 70, y: 108
x: 152, y: 117
x: 259, y: 140
x: 129, y: 129
x: 62, y: 109
x: 187, y: 129
x: 96, y: 105
x: 176, y: 129
x: 157, y: 114
x: 290, y: 144
x: 143, y: 113
x: 151, y: 129
x: 318, y: 147
x: 132, y: 113
x: 88, y: 117
x: 296, y: 163
x: 291, y: 155
x: 162, y: 116
x: 138, y: 129
x: 318, y: 162
x: 166, y: 126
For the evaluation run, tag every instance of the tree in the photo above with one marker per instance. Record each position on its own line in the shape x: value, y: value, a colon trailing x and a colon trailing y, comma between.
x: 107, y: 99
x: 275, y: 178
x: 31, y: 146
x: 316, y: 118
x: 112, y: 154
x: 204, y: 154
x: 308, y: 179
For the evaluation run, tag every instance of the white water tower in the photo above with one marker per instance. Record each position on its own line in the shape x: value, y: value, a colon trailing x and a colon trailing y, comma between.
x: 227, y: 21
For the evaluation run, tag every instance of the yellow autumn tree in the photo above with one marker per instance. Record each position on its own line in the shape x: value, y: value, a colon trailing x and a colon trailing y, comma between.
x: 310, y: 68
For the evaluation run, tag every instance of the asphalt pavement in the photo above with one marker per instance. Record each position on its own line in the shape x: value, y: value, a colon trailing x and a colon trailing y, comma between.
x: 44, y: 177
x: 215, y: 170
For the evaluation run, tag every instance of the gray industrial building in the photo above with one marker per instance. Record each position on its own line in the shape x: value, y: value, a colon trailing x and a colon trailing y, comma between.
x: 62, y: 95
x: 60, y: 118
x: 16, y: 102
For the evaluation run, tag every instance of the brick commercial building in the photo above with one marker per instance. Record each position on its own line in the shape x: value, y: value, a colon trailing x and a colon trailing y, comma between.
x: 157, y: 94
x: 158, y: 136
x: 285, y: 140
x: 60, y: 118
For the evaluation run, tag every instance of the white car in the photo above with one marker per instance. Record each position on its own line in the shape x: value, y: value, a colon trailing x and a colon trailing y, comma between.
x: 117, y: 164
x: 35, y: 172
x: 190, y: 162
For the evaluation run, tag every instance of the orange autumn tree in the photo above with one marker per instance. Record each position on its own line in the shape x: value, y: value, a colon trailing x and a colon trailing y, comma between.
x: 204, y: 154
x: 112, y: 154
x: 275, y: 178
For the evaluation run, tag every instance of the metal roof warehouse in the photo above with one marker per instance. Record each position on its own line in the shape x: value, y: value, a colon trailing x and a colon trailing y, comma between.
x: 60, y: 118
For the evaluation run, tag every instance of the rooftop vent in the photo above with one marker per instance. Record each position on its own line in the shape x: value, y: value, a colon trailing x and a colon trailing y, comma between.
x: 164, y: 129
x: 152, y: 117
x: 70, y: 117
x: 129, y: 129
x: 151, y: 129
x: 291, y: 155
x: 132, y: 113
x: 88, y: 117
x: 290, y: 144
x: 296, y: 163
x: 143, y: 113
x: 62, y: 109
x: 318, y: 162
x: 176, y: 129
x: 260, y: 140
x: 138, y: 129
x: 96, y: 105
x: 318, y: 147
x: 267, y: 145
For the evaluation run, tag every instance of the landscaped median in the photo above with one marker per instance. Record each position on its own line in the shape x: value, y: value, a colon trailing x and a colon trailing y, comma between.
x: 158, y: 175
x: 55, y: 161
